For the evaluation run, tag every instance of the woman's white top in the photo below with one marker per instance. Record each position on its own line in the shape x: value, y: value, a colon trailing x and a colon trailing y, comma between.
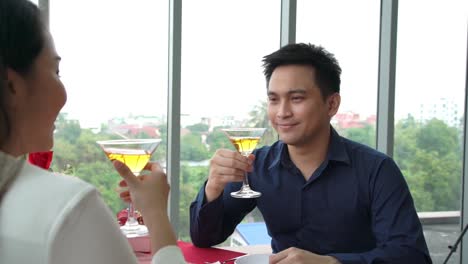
x: 47, y: 218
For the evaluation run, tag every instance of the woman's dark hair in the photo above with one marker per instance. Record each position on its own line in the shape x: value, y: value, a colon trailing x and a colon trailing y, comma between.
x: 21, y: 41
x: 327, y: 69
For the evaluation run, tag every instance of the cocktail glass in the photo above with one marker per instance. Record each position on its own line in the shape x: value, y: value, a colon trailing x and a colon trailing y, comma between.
x: 135, y: 153
x: 245, y: 140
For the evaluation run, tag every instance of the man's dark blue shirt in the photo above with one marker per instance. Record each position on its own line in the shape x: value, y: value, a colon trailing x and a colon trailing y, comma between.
x: 356, y: 206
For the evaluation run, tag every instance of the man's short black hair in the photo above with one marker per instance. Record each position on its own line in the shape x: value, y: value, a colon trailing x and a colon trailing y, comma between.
x: 327, y: 70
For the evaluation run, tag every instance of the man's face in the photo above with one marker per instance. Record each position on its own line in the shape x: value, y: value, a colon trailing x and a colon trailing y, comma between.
x: 296, y: 108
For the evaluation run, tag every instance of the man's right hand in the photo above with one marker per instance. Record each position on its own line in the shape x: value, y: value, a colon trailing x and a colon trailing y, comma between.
x: 226, y: 166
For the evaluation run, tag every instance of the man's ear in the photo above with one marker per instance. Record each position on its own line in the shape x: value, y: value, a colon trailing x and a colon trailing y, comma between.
x: 333, y: 103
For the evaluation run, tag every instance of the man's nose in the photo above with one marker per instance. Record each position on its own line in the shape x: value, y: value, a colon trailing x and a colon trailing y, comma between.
x: 284, y: 110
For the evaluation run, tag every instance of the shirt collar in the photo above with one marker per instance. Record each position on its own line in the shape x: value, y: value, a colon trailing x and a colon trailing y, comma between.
x: 337, y: 148
x: 336, y: 151
x: 282, y: 156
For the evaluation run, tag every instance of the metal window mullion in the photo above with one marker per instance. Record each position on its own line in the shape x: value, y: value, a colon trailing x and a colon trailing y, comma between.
x: 288, y: 22
x: 173, y: 111
x: 386, y: 83
x: 464, y: 198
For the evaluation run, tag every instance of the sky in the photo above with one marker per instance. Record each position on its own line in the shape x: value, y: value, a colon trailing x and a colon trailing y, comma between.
x: 114, y: 54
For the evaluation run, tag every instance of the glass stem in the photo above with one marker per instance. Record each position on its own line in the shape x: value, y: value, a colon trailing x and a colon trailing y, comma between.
x: 131, y: 220
x: 131, y: 215
x: 246, y: 180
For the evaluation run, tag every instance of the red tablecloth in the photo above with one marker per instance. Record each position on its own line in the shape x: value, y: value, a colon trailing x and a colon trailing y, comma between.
x: 191, y: 253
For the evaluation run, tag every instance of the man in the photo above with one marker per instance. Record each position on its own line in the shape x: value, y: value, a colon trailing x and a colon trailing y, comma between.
x: 325, y: 199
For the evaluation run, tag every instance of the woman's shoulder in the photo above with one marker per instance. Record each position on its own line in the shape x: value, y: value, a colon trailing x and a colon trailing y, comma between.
x: 30, y: 175
x: 36, y: 204
x: 35, y: 186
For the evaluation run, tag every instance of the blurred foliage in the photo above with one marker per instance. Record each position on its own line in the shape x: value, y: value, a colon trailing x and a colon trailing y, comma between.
x: 429, y: 155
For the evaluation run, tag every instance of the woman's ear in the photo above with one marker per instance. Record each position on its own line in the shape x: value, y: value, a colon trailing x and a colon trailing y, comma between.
x: 15, y: 87
x: 10, y: 87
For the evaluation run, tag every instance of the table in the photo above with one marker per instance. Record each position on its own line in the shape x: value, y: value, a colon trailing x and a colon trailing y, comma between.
x: 192, y: 254
x: 253, y: 249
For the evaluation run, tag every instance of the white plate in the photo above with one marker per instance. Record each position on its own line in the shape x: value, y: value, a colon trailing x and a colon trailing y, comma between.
x: 253, y: 259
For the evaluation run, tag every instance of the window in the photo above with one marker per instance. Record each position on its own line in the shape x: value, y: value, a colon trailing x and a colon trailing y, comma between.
x: 349, y: 30
x: 114, y: 67
x: 223, y: 43
x: 430, y: 89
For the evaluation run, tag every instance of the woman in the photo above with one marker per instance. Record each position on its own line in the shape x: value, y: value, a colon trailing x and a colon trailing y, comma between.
x: 47, y: 218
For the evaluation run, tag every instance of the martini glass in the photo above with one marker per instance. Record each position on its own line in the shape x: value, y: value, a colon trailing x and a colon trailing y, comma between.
x: 135, y: 153
x: 245, y: 140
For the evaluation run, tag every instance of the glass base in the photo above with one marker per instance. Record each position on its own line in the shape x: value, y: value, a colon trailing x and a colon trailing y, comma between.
x: 134, y: 230
x: 245, y: 192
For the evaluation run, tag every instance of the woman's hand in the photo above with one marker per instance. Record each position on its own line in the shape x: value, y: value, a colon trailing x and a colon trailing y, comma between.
x: 149, y: 194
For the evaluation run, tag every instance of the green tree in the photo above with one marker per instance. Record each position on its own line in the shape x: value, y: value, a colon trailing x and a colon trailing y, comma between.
x: 193, y: 148
x: 405, y: 141
x: 364, y: 135
x: 198, y: 128
x: 429, y: 155
x: 192, y: 179
x: 160, y: 153
x: 436, y: 136
x: 66, y: 129
x: 217, y: 140
x: 258, y: 117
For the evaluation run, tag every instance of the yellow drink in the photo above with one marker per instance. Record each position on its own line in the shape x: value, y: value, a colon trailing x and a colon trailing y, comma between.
x: 135, y: 159
x: 244, y: 140
x: 245, y: 145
